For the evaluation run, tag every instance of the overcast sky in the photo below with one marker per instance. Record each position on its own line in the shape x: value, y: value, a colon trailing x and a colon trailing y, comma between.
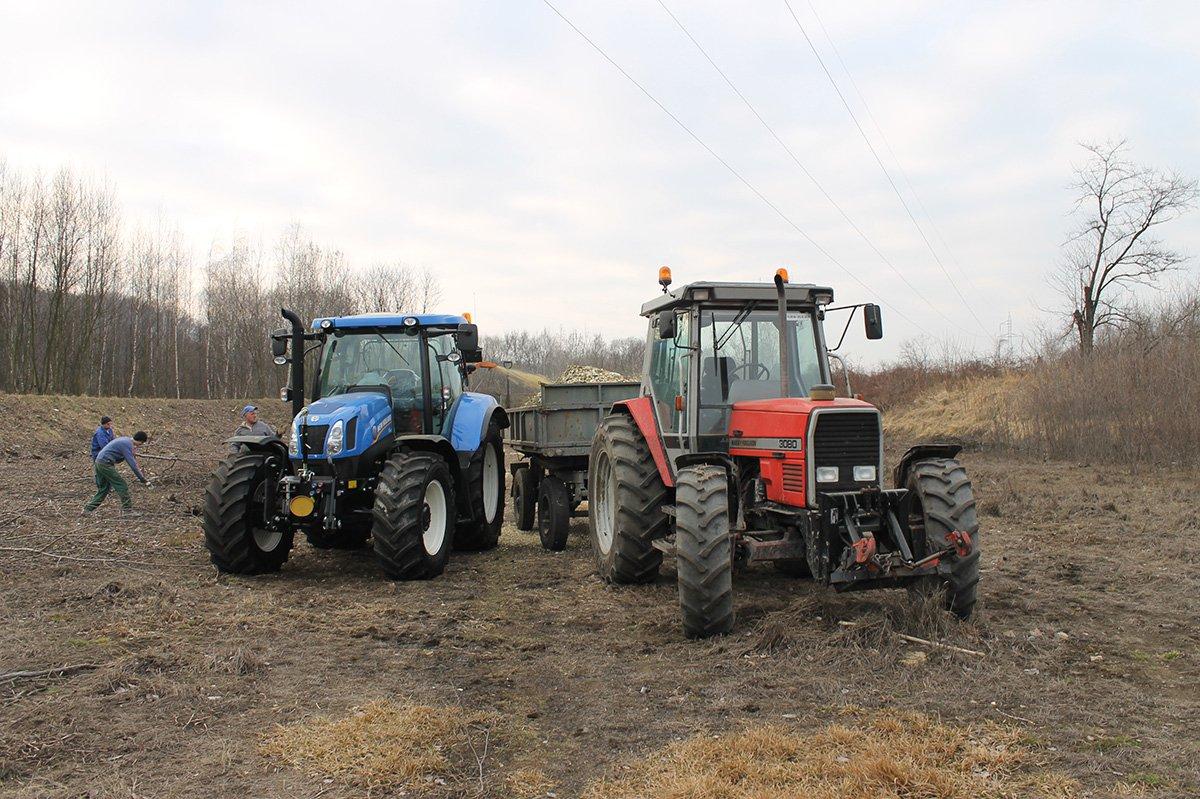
x: 491, y: 143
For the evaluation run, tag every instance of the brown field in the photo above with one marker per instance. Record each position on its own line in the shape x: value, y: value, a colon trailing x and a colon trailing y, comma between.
x: 518, y: 673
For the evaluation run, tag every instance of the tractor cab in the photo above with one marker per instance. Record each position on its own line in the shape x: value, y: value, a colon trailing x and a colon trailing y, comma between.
x: 380, y: 376
x: 720, y: 355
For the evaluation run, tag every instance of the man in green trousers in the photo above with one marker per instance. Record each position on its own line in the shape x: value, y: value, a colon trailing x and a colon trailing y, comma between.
x: 107, y: 476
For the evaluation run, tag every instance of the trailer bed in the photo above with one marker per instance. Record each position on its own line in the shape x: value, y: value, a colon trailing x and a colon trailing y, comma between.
x: 562, y: 424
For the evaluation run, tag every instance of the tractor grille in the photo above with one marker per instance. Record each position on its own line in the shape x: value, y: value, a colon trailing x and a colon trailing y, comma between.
x: 314, y: 438
x: 793, y: 477
x: 845, y: 440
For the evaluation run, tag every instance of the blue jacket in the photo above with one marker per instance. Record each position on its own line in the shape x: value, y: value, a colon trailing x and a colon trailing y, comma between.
x: 117, y: 450
x: 101, y: 439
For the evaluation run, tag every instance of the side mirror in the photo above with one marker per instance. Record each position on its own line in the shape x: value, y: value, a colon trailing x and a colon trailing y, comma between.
x: 278, y: 347
x: 873, y: 321
x: 468, y: 343
x: 666, y: 324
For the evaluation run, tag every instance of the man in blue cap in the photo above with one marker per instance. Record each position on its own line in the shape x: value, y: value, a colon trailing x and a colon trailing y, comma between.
x: 102, y: 437
x: 251, y: 425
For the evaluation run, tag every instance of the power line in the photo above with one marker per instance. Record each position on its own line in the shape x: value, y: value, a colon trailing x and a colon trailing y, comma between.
x: 882, y: 167
x: 888, y: 146
x: 796, y: 160
x: 730, y: 168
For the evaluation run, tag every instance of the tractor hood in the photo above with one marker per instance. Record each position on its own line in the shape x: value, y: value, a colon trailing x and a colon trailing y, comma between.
x: 801, y: 405
x: 769, y: 420
x: 369, y: 411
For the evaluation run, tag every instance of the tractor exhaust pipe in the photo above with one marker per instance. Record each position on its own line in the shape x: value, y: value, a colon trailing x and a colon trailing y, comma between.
x: 297, y: 360
x: 785, y: 378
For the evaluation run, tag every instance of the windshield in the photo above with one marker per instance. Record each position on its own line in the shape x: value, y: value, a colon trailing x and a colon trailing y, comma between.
x: 739, y: 359
x: 372, y: 360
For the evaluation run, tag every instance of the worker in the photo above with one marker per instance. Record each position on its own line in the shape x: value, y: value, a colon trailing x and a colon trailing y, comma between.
x: 103, y: 435
x: 251, y: 425
x: 121, y: 448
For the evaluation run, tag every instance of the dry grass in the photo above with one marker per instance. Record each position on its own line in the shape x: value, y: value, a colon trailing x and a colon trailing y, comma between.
x: 981, y: 410
x: 868, y: 754
x: 388, y: 745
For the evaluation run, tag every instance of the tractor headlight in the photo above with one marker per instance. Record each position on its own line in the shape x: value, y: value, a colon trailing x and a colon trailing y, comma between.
x: 827, y: 474
x: 335, y: 439
x: 864, y: 474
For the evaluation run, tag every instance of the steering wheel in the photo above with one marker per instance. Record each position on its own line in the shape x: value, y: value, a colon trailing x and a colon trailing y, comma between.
x: 751, y: 371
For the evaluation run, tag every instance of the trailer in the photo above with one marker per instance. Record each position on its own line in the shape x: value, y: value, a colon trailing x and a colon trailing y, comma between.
x: 554, y: 438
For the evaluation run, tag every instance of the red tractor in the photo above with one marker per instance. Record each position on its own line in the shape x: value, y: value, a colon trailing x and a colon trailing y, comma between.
x: 737, y: 451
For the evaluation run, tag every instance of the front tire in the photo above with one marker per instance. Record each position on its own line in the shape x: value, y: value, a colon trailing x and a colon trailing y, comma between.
x: 704, y: 551
x: 626, y: 496
x: 943, y: 501
x: 414, y: 516
x: 234, y: 533
x: 485, y: 495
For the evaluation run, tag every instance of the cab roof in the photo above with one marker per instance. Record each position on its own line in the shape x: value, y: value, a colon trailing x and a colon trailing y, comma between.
x: 715, y: 293
x: 389, y: 320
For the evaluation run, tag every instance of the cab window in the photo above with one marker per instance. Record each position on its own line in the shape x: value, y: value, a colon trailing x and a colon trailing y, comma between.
x: 445, y: 379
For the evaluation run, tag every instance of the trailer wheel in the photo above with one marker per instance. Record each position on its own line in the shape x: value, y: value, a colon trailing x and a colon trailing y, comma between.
x: 525, y: 498
x: 704, y: 551
x: 626, y: 496
x: 485, y: 495
x: 414, y: 516
x: 943, y: 501
x: 553, y: 513
x: 234, y: 534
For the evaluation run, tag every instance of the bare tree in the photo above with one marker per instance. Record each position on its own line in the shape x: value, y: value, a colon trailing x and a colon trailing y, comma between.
x: 1114, y: 248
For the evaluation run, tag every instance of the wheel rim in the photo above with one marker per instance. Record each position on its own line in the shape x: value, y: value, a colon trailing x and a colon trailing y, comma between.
x: 543, y: 508
x: 606, y: 503
x: 491, y: 484
x: 265, y: 540
x: 433, y: 517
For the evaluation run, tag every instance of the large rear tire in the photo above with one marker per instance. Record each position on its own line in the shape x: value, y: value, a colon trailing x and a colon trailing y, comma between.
x: 525, y: 498
x: 553, y: 513
x: 414, y: 516
x: 234, y: 532
x: 943, y: 501
x: 485, y: 495
x: 704, y: 551
x: 626, y: 496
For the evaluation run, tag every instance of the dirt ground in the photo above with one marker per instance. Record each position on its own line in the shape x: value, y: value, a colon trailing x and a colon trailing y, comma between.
x: 1087, y: 629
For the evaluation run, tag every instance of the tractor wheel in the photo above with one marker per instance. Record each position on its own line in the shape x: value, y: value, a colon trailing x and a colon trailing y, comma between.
x: 943, y: 502
x: 233, y: 512
x: 485, y: 495
x: 553, y: 513
x: 525, y: 498
x: 414, y: 516
x: 626, y: 496
x: 704, y: 551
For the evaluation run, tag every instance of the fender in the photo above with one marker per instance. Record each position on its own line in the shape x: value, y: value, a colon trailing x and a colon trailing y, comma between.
x: 469, y: 419
x: 918, y: 453
x: 438, y: 445
x: 642, y: 411
x: 261, y: 444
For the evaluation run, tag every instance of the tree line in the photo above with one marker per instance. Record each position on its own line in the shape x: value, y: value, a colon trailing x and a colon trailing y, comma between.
x: 93, y: 307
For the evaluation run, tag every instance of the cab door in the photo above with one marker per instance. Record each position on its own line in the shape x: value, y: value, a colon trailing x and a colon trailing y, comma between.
x: 668, y: 367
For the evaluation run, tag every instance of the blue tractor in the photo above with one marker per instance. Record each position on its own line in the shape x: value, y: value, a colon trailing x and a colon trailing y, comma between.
x: 389, y: 447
